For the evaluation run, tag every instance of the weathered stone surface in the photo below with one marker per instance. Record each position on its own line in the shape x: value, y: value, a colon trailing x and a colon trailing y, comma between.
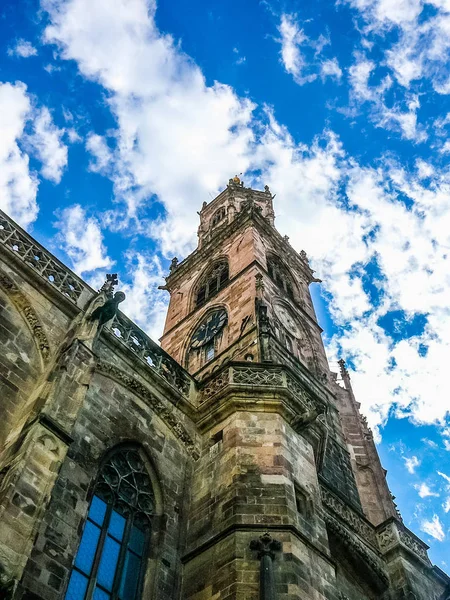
x: 257, y: 440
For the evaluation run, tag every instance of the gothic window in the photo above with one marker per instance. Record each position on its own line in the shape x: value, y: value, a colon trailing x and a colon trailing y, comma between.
x: 214, y: 280
x: 280, y: 275
x: 218, y: 216
x: 111, y: 555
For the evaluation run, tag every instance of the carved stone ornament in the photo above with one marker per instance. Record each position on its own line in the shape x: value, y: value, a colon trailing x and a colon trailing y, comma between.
x: 27, y: 250
x: 349, y: 516
x: 163, y: 411
x: 149, y: 352
x: 252, y: 376
x: 395, y: 533
x: 23, y: 305
x: 355, y: 546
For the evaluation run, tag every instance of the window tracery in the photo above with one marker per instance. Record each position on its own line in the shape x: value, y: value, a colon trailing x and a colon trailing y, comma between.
x: 212, y: 282
x: 110, y: 558
x: 279, y: 274
x: 218, y: 216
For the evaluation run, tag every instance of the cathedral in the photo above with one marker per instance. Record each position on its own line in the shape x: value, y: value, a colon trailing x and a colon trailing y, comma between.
x: 227, y: 463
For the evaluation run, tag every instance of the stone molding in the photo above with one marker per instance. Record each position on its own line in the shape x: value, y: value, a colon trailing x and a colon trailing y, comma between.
x: 165, y: 413
x: 248, y: 374
x: 42, y: 262
x: 393, y: 533
x: 351, y: 542
x: 24, y: 306
x: 350, y: 517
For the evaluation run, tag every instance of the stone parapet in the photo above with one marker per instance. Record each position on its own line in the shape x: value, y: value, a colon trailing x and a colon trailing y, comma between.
x: 16, y: 241
x: 393, y: 534
x: 152, y: 355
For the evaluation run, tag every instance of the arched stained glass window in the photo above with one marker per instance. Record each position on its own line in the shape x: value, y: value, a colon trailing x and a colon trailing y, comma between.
x: 214, y: 280
x: 111, y: 555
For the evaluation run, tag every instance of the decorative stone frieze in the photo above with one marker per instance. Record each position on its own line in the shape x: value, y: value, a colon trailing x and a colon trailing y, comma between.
x: 350, y: 517
x: 163, y: 411
x: 24, y: 306
x: 31, y: 253
x: 252, y: 376
x: 393, y: 533
x: 349, y: 540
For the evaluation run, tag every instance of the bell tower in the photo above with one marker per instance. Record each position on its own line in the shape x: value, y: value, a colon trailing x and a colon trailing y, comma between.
x: 242, y: 276
x: 289, y: 474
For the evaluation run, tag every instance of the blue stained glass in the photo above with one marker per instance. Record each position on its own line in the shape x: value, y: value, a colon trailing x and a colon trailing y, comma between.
x: 137, y: 539
x: 97, y: 510
x: 108, y: 563
x: 100, y: 595
x: 116, y: 525
x: 77, y: 586
x: 130, y: 577
x: 87, y: 548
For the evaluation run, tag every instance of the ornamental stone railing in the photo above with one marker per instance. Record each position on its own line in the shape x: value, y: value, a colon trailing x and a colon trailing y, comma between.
x: 350, y: 517
x: 150, y: 353
x: 250, y: 374
x: 42, y: 262
x: 393, y: 533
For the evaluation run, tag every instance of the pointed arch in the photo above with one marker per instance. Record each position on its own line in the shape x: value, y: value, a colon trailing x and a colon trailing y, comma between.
x: 281, y: 275
x: 214, y: 278
x: 23, y: 305
x: 111, y: 560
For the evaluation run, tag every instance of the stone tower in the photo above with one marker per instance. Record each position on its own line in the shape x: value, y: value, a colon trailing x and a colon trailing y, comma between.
x: 289, y: 454
x: 230, y: 463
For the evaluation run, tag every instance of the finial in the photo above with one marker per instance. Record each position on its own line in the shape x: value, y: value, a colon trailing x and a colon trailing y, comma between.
x: 286, y: 238
x: 303, y: 255
x: 342, y: 367
x: 173, y: 264
x: 266, y: 189
x: 110, y: 283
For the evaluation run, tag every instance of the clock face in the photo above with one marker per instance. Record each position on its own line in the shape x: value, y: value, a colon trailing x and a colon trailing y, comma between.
x: 287, y: 320
x: 210, y: 327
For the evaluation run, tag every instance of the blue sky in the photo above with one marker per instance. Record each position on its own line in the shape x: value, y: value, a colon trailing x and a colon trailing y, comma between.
x: 118, y: 118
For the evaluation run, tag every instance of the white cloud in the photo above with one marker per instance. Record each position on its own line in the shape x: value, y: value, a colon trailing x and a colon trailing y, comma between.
x: 292, y: 39
x: 446, y: 477
x: 18, y: 186
x: 411, y: 463
x: 331, y: 68
x: 424, y: 491
x: 177, y: 138
x: 433, y: 528
x: 81, y: 239
x: 98, y: 148
x: 22, y: 49
x: 447, y: 445
x: 46, y: 142
x: 144, y: 303
x: 446, y: 505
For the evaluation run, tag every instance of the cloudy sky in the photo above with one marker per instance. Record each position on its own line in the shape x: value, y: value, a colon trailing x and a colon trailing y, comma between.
x: 118, y: 118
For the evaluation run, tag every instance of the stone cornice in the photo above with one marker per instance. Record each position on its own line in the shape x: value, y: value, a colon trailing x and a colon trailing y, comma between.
x: 250, y: 528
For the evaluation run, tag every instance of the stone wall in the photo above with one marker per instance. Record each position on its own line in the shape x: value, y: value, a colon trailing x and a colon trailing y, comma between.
x: 111, y: 415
